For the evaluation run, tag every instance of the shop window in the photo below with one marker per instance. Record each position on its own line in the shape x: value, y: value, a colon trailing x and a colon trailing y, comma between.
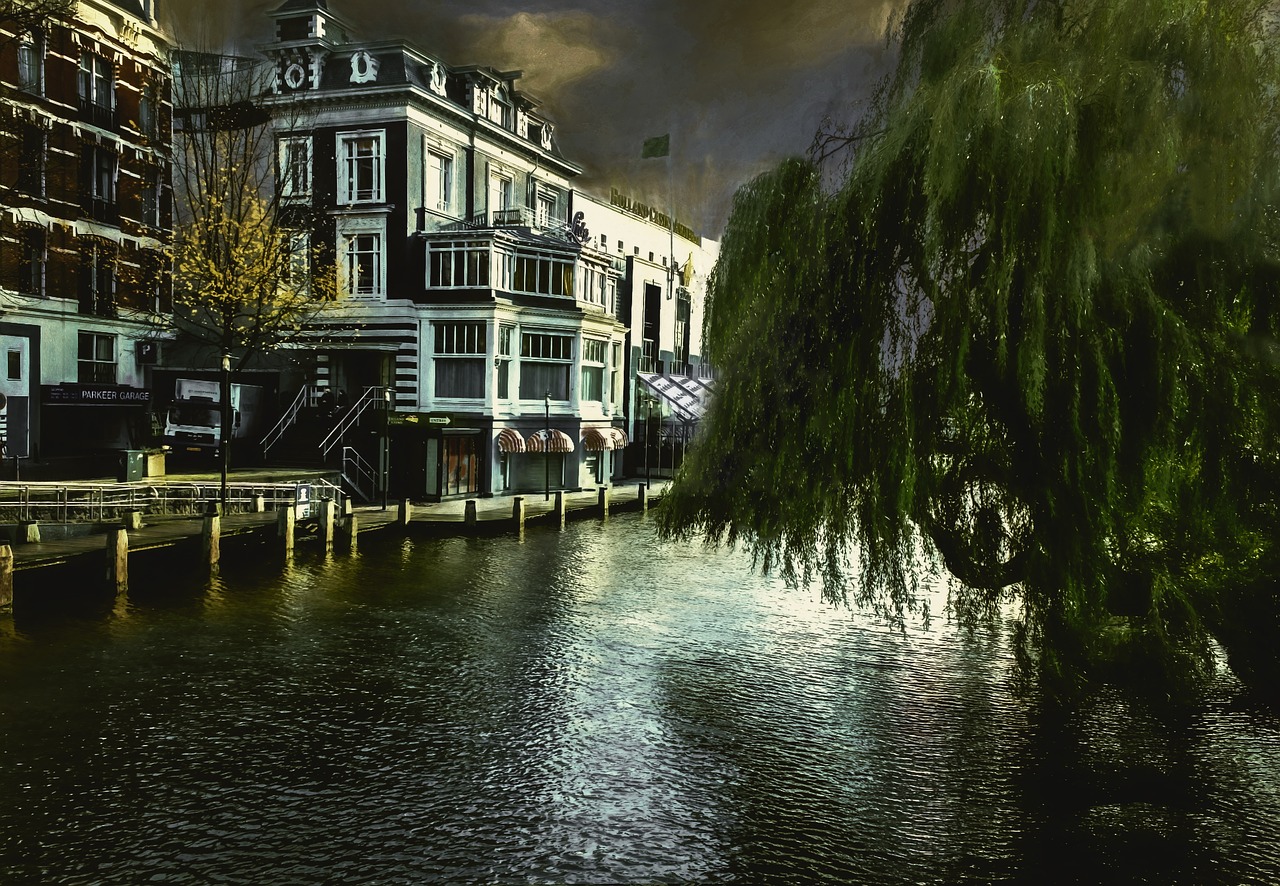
x: 460, y: 351
x: 97, y: 358
x: 361, y: 165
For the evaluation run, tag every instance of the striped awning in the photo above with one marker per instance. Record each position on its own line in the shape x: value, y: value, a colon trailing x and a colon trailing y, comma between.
x: 552, y: 441
x: 510, y: 441
x: 596, y: 440
x: 619, y: 438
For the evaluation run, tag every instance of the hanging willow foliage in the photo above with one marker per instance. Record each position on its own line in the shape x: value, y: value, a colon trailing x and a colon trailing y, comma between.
x: 1030, y: 338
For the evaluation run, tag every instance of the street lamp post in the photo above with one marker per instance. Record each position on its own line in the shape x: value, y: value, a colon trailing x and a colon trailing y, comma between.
x: 648, y: 423
x: 386, y: 444
x: 225, y: 433
x: 546, y: 449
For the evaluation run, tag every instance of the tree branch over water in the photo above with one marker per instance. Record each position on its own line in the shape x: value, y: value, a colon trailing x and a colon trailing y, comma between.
x: 1030, y: 338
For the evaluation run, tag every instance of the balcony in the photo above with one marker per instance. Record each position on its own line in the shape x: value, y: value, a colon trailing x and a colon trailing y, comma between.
x: 102, y: 116
x: 520, y: 217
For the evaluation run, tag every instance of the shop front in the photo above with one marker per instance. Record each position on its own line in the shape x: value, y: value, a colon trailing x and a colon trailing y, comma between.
x: 437, y: 456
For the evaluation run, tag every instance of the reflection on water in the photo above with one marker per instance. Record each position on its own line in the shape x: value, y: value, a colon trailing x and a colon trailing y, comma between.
x: 585, y: 706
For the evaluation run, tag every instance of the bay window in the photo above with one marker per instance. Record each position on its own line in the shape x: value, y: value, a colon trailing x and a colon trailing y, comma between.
x: 592, y: 370
x: 545, y: 362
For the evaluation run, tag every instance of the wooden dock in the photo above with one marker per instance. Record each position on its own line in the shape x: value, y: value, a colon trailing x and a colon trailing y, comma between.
x: 112, y: 546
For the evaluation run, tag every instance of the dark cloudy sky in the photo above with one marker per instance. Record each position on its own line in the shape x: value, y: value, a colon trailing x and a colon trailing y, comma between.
x: 739, y: 84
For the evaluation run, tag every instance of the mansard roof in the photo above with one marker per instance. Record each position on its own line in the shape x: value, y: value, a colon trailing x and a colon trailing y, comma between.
x: 302, y: 5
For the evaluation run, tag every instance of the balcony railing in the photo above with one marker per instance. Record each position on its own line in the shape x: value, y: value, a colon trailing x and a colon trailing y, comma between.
x: 520, y: 217
x: 102, y: 116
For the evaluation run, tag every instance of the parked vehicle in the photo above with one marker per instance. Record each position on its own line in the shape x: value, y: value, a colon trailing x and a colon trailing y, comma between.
x: 193, y: 422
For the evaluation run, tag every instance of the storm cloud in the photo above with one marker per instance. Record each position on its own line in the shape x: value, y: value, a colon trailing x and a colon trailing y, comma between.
x: 739, y: 84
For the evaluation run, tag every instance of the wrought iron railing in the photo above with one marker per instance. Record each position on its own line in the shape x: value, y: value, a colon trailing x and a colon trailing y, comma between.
x: 372, y: 398
x: 288, y: 419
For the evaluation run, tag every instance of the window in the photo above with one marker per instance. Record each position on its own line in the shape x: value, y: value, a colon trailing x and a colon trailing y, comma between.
x: 98, y: 280
x: 595, y: 285
x: 500, y: 190
x: 33, y: 154
x: 32, y: 267
x: 150, y: 208
x: 149, y: 110
x: 97, y: 358
x: 615, y: 374
x: 295, y: 167
x: 439, y: 180
x: 459, y: 264
x: 506, y: 336
x: 544, y: 367
x: 546, y: 210
x: 13, y: 368
x: 99, y: 168
x: 31, y: 63
x: 297, y: 260
x: 593, y: 370
x: 96, y: 89
x: 460, y: 350
x: 364, y: 265
x: 542, y: 274
x: 360, y: 167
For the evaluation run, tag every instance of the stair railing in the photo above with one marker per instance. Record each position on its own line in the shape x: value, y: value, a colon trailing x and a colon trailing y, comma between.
x: 358, y: 474
x: 372, y: 398
x: 287, y: 420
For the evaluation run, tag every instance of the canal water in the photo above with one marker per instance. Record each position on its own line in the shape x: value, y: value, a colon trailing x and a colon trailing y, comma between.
x: 594, y: 706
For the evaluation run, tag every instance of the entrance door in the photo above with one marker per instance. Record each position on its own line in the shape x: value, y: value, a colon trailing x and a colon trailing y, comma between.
x: 461, y: 465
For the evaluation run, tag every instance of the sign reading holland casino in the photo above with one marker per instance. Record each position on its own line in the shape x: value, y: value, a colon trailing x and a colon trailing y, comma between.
x: 96, y: 395
x: 657, y: 216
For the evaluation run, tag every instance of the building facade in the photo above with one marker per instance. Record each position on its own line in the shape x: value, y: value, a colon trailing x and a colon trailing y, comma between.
x: 85, y: 220
x: 474, y: 290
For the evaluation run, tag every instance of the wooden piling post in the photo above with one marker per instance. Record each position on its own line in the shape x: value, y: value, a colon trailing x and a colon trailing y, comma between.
x: 211, y: 535
x: 517, y: 512
x: 328, y: 516
x: 602, y: 501
x: 133, y: 520
x: 285, y: 521
x: 559, y: 508
x: 347, y: 508
x: 642, y: 497
x: 29, y: 531
x: 259, y: 504
x: 405, y: 514
x: 469, y: 513
x: 352, y: 524
x: 118, y: 559
x: 6, y: 576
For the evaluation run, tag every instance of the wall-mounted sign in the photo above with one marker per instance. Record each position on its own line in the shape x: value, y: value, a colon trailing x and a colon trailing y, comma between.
x: 651, y: 213
x: 95, y: 395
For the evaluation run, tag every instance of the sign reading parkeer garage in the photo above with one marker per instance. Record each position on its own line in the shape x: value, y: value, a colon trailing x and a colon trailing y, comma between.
x: 95, y: 395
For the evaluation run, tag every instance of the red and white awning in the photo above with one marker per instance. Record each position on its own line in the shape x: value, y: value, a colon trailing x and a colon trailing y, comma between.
x: 597, y: 440
x: 510, y: 441
x: 619, y: 438
x: 548, y: 441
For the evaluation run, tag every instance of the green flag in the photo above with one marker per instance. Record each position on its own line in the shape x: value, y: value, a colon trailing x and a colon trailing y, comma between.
x: 658, y: 146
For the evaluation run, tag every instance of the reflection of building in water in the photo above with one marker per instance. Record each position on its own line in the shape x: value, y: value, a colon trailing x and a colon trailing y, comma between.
x: 508, y: 311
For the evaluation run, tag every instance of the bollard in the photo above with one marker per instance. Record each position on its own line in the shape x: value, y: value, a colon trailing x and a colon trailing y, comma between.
x: 29, y: 531
x: 347, y: 507
x: 328, y: 517
x: 133, y: 520
x: 6, y: 576
x: 559, y: 508
x: 285, y: 521
x: 517, y: 512
x: 643, y: 499
x: 602, y: 501
x: 406, y: 513
x: 259, y: 504
x: 469, y: 515
x: 211, y: 535
x: 118, y: 559
x: 352, y: 525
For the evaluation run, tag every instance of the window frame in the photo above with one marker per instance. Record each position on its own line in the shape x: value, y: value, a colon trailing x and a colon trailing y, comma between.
x: 295, y: 166
x: 93, y: 362
x: 32, y: 49
x: 351, y: 264
x: 439, y: 172
x: 458, y: 346
x: 350, y: 193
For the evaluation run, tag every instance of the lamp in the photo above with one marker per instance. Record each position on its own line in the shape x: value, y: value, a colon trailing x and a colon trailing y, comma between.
x: 386, y: 443
x: 546, y: 450
x: 224, y: 434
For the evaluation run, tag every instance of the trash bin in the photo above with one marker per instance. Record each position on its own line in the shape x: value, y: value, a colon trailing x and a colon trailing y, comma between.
x: 132, y: 465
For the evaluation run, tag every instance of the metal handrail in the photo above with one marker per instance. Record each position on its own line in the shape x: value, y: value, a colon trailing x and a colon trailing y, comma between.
x: 355, y: 470
x: 374, y: 396
x: 54, y: 502
x: 287, y: 420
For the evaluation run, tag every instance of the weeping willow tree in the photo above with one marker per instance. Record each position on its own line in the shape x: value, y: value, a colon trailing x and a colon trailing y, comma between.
x: 1029, y: 337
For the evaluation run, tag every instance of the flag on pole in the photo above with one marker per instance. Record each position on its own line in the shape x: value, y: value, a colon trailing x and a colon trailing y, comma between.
x: 658, y: 146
